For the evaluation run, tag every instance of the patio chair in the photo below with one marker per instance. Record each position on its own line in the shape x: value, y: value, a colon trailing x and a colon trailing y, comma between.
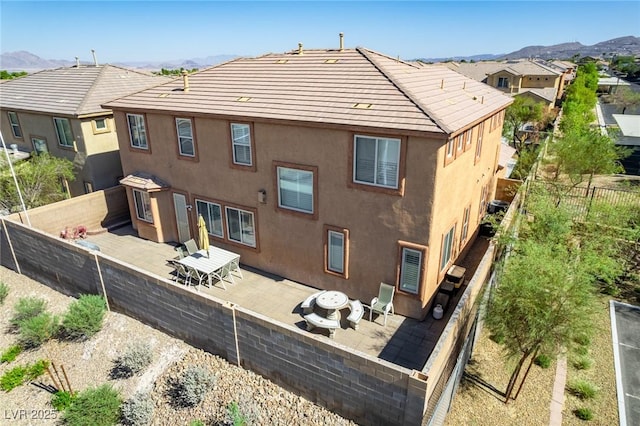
x: 383, y: 304
x: 181, y: 272
x: 191, y: 246
x: 199, y: 277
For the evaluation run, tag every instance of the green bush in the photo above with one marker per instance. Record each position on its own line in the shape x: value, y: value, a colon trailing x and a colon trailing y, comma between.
x: 84, y: 317
x: 62, y: 400
x: 136, y: 358
x: 582, y: 340
x: 138, y: 410
x: 196, y: 423
x: 33, y: 332
x: 97, y: 407
x: 497, y: 337
x: 582, y: 389
x: 582, y: 363
x: 583, y: 413
x: 36, y: 370
x: 581, y: 350
x: 235, y: 416
x: 4, y: 291
x: 192, y: 387
x: 13, y: 378
x: 543, y: 361
x: 10, y: 353
x: 27, y: 307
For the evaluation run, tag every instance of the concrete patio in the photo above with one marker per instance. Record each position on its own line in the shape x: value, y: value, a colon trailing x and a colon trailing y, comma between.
x: 404, y: 341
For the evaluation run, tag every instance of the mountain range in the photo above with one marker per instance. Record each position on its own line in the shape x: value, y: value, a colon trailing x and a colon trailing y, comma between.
x: 629, y: 45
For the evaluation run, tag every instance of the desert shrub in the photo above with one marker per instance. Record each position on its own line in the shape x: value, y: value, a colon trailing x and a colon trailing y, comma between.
x: 137, y: 410
x: 236, y: 418
x: 581, y: 350
x: 192, y: 387
x: 13, y: 378
x: 583, y: 340
x: 62, y: 400
x: 136, y: 358
x: 96, y: 406
x: 27, y: 307
x: 4, y: 291
x: 37, y: 369
x: 196, y: 423
x: 10, y: 353
x: 543, y: 361
x: 582, y: 389
x: 583, y: 413
x: 84, y: 317
x: 33, y: 332
x: 497, y: 337
x: 582, y: 363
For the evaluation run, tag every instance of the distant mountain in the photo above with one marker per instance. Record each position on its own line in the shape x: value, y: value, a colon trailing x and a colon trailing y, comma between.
x: 26, y: 61
x: 629, y: 45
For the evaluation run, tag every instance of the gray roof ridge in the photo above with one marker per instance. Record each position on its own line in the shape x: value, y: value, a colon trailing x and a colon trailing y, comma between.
x: 87, y: 94
x: 368, y: 54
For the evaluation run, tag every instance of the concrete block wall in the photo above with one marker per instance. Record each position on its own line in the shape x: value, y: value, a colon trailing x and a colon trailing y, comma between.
x: 355, y: 385
x: 94, y: 210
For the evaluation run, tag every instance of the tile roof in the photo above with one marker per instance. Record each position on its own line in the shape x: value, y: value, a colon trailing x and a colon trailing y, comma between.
x: 353, y: 87
x: 145, y: 181
x: 74, y: 91
x: 480, y: 70
x: 547, y: 93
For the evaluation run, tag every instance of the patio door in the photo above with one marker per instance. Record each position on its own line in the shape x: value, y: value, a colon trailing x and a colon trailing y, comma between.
x: 182, y: 217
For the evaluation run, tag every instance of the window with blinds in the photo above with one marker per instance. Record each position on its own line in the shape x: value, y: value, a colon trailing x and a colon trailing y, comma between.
x: 376, y: 161
x: 410, y: 270
x: 336, y: 252
x: 447, y: 248
x: 241, y: 141
x: 185, y: 137
x: 295, y: 189
x: 137, y: 131
x: 212, y: 215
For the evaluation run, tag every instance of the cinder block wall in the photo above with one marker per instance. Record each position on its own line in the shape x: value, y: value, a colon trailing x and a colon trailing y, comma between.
x: 355, y: 385
x: 95, y: 211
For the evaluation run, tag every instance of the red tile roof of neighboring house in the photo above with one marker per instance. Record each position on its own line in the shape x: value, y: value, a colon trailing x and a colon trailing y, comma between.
x: 76, y: 91
x: 353, y: 87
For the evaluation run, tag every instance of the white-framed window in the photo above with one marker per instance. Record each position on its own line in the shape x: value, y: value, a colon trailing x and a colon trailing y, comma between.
x: 39, y: 145
x: 240, y: 226
x: 15, y: 124
x: 482, y: 207
x: 212, y: 215
x: 450, y: 146
x: 479, y: 144
x: 137, y: 131
x: 447, y: 247
x: 503, y: 82
x: 101, y: 123
x: 335, y: 255
x: 184, y: 129
x: 465, y: 224
x: 295, y: 189
x: 63, y: 131
x: 467, y: 138
x: 241, y: 144
x: 460, y: 139
x: 410, y: 270
x: 143, y: 205
x: 376, y: 161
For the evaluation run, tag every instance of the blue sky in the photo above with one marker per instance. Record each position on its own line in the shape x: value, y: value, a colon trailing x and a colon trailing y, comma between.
x: 165, y: 30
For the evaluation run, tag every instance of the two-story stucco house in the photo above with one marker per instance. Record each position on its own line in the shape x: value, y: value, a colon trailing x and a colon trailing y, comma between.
x: 337, y: 168
x: 535, y: 79
x: 59, y: 111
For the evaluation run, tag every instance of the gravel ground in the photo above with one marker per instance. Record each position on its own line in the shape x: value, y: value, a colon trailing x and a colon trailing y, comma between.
x: 89, y: 363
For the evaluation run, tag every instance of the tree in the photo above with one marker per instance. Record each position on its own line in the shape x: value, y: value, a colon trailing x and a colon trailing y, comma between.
x: 39, y: 179
x: 5, y: 75
x: 625, y: 98
x: 523, y: 110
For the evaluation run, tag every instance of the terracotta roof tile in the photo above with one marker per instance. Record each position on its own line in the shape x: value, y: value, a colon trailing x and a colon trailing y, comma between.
x: 323, y: 86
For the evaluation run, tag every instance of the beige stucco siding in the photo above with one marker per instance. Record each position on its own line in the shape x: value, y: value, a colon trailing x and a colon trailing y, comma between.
x: 292, y: 244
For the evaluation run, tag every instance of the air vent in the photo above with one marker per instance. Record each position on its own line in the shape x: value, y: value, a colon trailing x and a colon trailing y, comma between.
x: 362, y: 106
x: 164, y: 95
x: 243, y: 99
x: 331, y: 61
x: 282, y: 61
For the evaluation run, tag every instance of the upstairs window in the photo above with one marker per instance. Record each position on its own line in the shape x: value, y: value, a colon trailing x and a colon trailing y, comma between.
x: 137, y: 131
x: 184, y: 129
x: 503, y: 82
x: 479, y: 143
x: 376, y: 161
x: 63, y: 131
x: 465, y: 225
x: 241, y: 144
x: 447, y: 248
x: 15, y: 124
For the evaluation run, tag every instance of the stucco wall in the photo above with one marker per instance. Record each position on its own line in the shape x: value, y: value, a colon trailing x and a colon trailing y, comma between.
x: 355, y: 385
x: 291, y: 245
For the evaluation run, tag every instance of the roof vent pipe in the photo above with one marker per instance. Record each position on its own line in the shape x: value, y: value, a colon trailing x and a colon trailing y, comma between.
x: 185, y: 80
x: 442, y: 83
x: 300, y: 52
x: 77, y: 62
x: 341, y: 42
x: 95, y: 61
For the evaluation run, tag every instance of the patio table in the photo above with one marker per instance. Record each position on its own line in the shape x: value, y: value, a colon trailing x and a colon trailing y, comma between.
x: 332, y: 301
x: 219, y: 264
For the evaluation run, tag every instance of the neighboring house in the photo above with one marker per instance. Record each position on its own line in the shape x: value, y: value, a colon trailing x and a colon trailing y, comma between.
x: 339, y: 169
x: 629, y: 138
x: 59, y: 111
x: 540, y: 81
